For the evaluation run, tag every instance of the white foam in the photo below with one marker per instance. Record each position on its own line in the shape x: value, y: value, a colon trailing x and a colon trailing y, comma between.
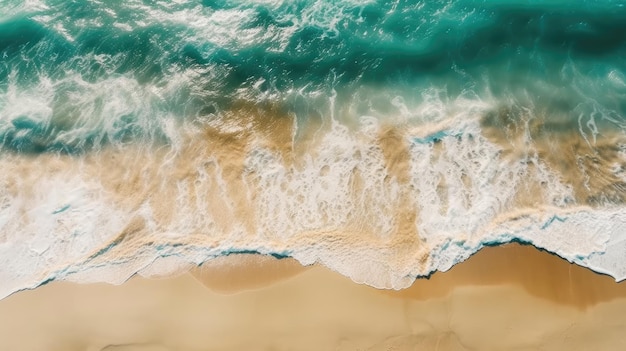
x: 338, y: 205
x: 77, y: 110
x: 50, y: 224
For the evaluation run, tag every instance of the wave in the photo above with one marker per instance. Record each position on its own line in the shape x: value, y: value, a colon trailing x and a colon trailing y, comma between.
x: 386, y: 140
x: 382, y: 203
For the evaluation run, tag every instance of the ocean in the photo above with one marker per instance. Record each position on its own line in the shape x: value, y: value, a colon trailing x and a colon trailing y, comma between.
x: 384, y: 139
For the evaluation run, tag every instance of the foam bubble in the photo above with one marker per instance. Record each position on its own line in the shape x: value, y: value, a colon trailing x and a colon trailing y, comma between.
x: 381, y: 201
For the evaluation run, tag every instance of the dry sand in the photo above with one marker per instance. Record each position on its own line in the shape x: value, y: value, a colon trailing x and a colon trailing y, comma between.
x: 505, y: 298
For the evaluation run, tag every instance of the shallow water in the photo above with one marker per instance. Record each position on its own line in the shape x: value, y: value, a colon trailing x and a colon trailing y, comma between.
x: 384, y: 139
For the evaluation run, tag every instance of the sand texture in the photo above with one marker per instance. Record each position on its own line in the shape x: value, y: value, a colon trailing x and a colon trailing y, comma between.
x: 504, y: 298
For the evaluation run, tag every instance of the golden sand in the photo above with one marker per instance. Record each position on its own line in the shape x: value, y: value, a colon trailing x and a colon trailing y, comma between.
x: 505, y: 298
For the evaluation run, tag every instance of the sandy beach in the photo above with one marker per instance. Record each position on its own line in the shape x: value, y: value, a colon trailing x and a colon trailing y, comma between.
x: 312, y: 175
x: 504, y: 298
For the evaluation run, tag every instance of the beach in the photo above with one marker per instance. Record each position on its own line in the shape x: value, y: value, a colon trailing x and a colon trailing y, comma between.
x: 312, y: 175
x: 503, y: 298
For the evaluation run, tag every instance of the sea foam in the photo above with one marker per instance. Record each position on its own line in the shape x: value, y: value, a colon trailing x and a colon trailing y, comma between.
x: 382, y: 204
x: 385, y: 140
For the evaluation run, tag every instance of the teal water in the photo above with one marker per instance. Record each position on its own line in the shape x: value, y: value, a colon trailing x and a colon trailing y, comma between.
x: 384, y: 139
x: 73, y: 66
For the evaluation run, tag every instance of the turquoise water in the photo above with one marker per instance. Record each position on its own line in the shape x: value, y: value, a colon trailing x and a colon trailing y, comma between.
x: 384, y: 139
x: 559, y: 58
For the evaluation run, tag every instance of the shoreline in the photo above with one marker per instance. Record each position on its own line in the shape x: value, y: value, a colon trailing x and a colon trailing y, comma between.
x: 526, y: 299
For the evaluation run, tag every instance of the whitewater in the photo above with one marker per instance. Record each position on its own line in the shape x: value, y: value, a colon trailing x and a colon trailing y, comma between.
x: 385, y: 140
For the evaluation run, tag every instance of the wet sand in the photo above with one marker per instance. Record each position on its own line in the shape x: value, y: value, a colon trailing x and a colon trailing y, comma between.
x: 505, y: 298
